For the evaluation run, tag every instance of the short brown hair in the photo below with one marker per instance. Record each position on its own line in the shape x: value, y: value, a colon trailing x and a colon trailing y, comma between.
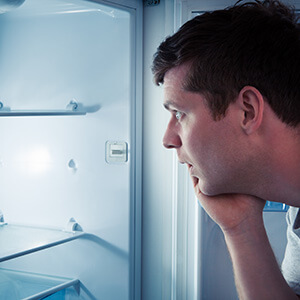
x: 254, y: 43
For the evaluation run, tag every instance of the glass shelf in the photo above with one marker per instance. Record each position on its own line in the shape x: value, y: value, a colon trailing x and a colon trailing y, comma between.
x: 17, y: 240
x: 73, y: 108
x: 33, y: 113
x: 16, y: 285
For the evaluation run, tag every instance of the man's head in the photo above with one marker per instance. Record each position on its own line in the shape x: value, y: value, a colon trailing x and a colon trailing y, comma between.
x: 231, y: 83
x: 255, y: 44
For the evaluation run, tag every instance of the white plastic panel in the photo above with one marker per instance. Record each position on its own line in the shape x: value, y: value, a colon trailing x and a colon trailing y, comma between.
x: 49, y: 57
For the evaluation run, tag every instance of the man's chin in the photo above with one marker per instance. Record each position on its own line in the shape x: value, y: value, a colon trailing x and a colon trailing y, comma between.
x: 201, y: 187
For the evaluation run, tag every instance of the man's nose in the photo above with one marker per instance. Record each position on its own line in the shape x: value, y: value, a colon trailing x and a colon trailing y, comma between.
x: 171, y: 138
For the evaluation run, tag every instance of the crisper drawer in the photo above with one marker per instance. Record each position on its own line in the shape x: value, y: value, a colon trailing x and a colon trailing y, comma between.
x: 15, y: 285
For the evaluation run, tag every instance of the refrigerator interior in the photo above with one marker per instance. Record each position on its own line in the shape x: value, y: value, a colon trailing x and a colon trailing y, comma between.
x: 67, y: 150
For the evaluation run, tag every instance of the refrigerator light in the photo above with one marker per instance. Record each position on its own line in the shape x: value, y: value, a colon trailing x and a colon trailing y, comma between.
x: 116, y: 152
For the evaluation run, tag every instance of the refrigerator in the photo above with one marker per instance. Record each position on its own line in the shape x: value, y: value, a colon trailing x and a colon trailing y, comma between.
x: 70, y: 149
x: 92, y: 206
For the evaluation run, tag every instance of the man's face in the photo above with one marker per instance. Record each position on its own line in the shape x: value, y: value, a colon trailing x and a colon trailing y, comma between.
x: 206, y: 146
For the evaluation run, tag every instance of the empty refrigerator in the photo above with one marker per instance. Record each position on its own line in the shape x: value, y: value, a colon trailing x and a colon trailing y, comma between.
x: 70, y: 156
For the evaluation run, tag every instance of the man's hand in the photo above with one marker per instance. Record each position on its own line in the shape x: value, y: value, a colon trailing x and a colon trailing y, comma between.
x: 257, y: 274
x: 232, y: 212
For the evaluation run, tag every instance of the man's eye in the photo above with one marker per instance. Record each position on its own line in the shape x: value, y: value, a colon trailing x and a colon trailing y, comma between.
x: 178, y: 115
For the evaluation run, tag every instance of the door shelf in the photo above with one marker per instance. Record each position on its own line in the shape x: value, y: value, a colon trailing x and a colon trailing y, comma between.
x: 15, y: 285
x: 17, y: 240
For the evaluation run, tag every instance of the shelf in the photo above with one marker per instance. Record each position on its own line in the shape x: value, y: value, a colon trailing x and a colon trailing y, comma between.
x: 32, y: 113
x: 21, y: 240
x: 72, y: 109
x: 30, y: 286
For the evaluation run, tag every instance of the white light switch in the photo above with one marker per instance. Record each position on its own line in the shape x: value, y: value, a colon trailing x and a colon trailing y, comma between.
x: 116, y: 152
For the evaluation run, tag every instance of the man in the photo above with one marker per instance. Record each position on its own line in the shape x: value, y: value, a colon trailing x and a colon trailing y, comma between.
x: 232, y: 85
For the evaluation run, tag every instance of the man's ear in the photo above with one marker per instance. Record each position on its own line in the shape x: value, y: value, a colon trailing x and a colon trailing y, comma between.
x: 251, y: 103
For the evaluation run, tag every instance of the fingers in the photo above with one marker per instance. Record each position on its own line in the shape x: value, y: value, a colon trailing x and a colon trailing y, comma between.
x: 195, y: 181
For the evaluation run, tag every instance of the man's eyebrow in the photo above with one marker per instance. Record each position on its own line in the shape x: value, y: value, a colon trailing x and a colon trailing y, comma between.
x: 167, y: 105
x: 170, y: 105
